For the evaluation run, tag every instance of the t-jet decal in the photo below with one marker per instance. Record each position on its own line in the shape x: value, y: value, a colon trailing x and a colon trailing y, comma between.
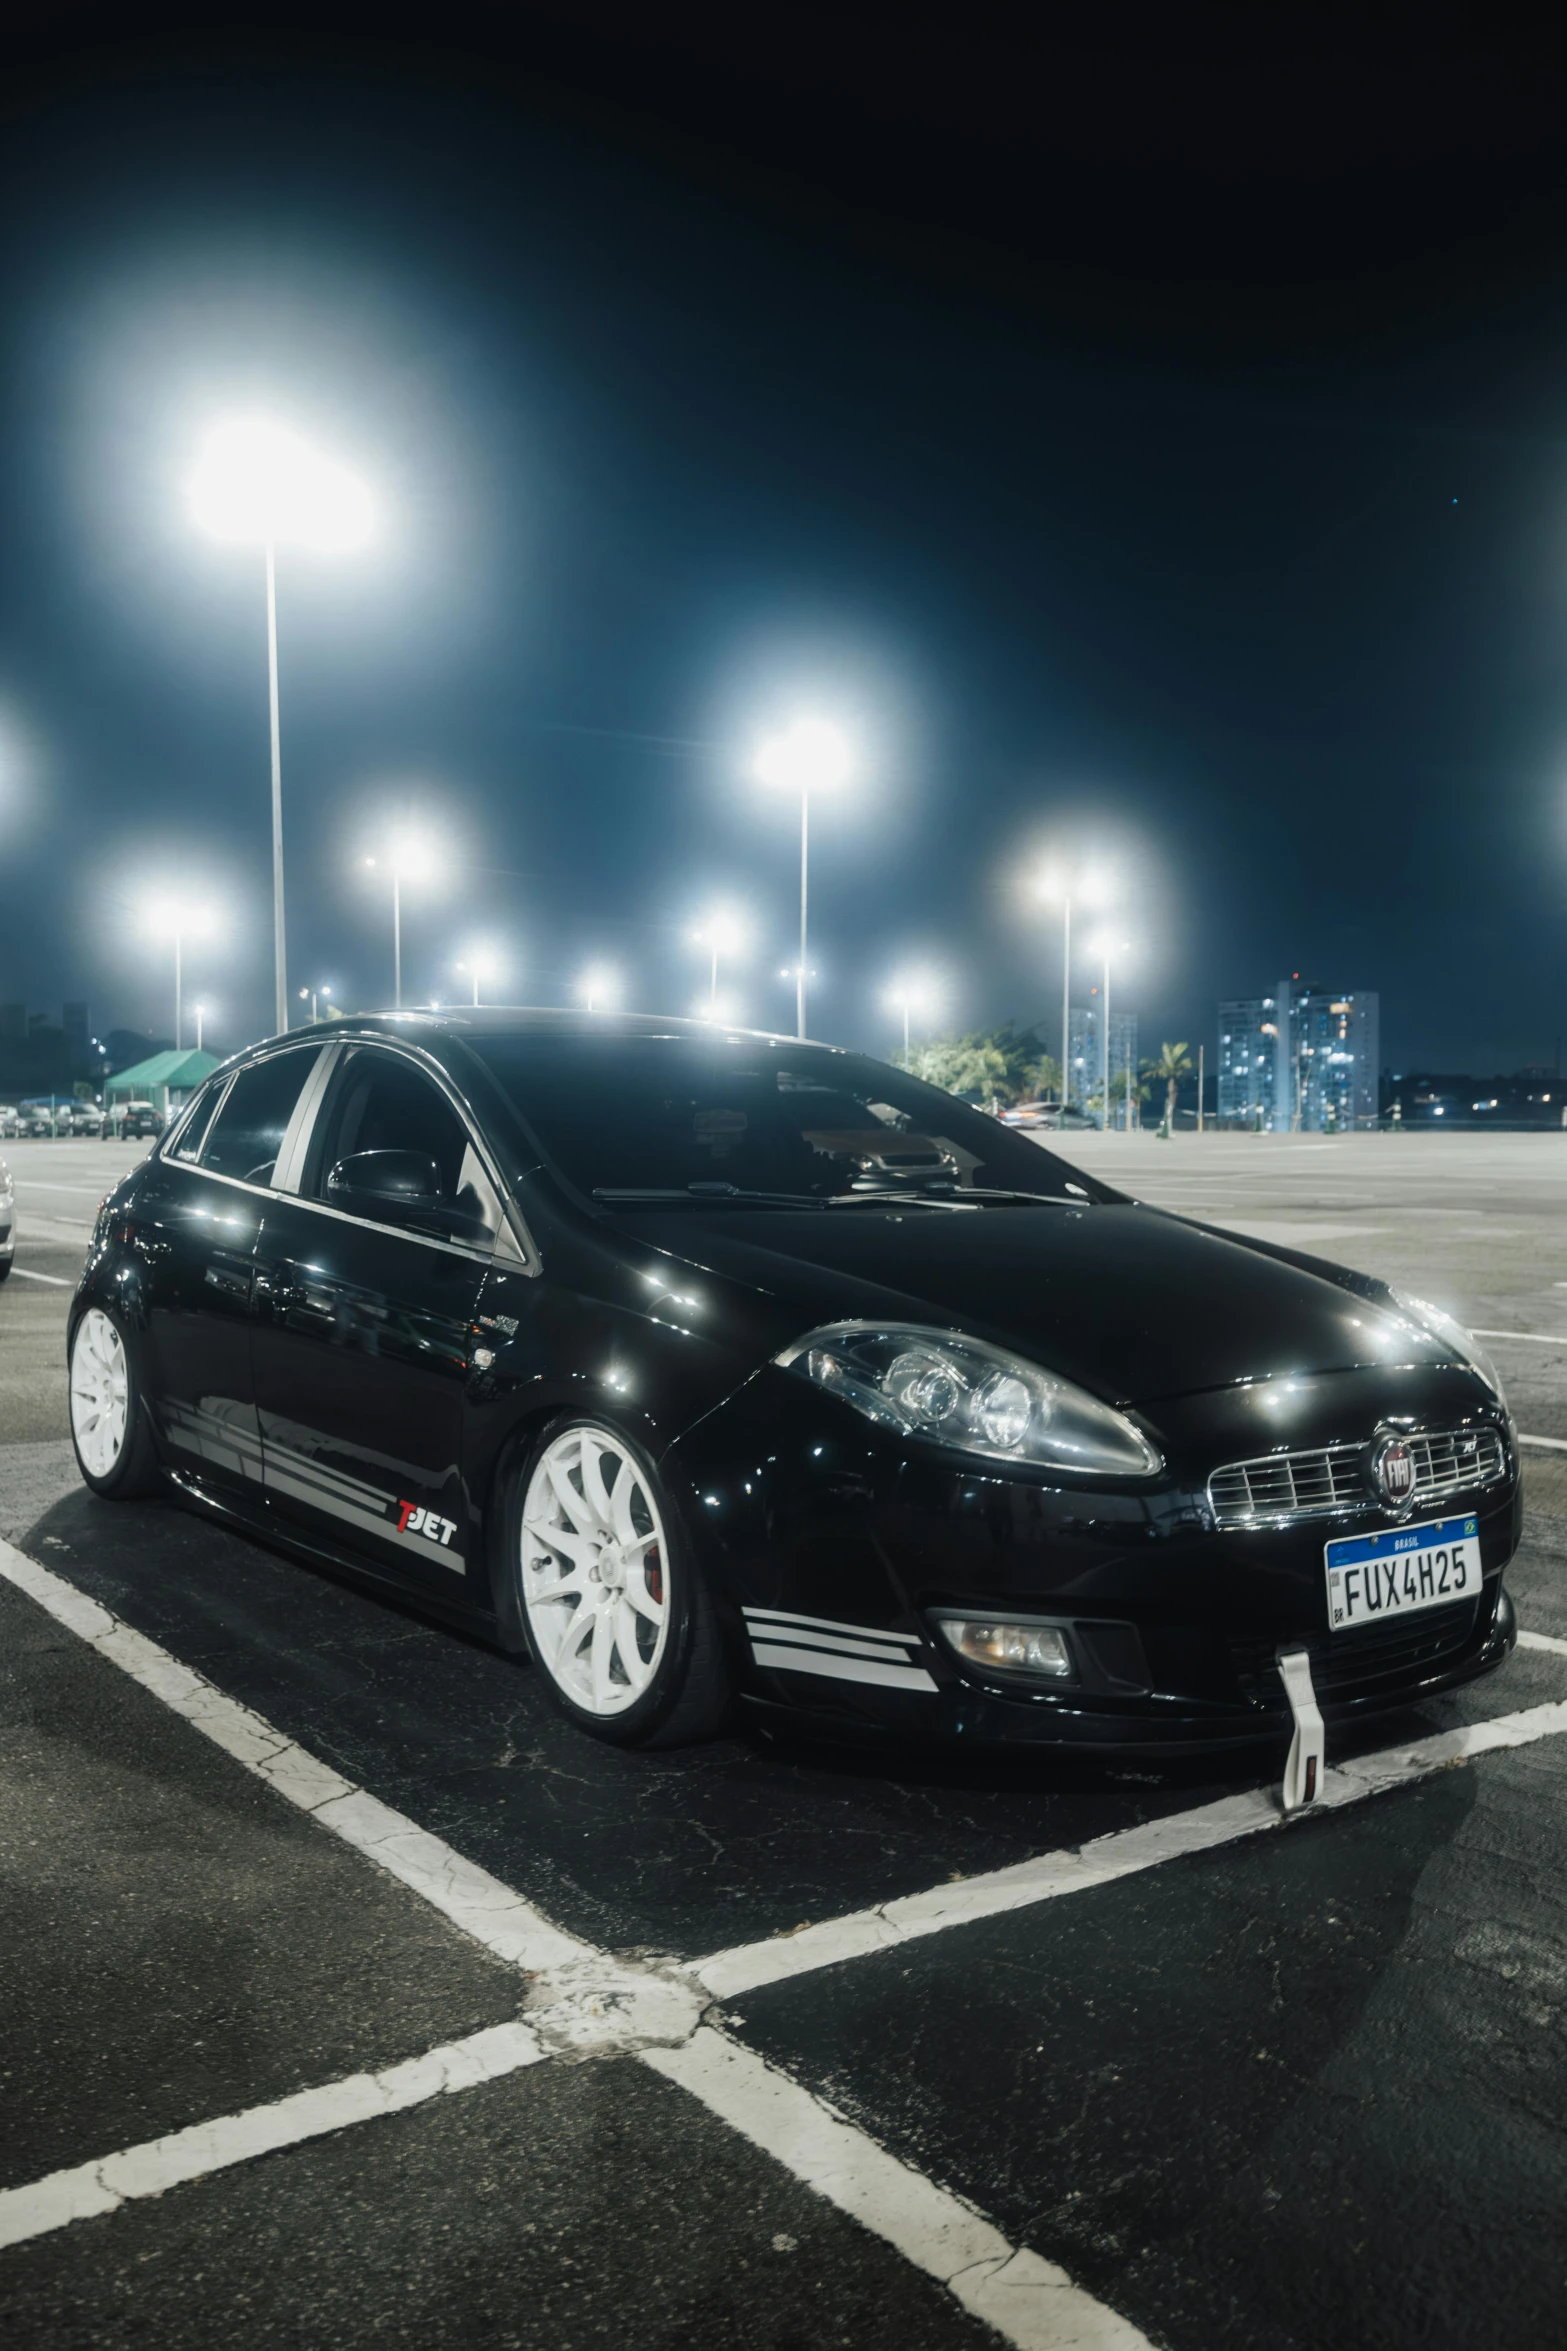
x: 414, y: 1519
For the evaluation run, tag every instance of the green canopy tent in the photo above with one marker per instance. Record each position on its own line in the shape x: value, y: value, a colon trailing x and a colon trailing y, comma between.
x: 164, y: 1080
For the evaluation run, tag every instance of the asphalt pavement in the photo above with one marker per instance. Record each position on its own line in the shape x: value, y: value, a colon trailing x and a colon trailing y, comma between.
x: 1244, y: 2089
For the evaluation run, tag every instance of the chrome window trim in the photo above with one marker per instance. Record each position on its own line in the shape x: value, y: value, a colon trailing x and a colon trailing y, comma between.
x: 485, y: 1257
x: 523, y: 1255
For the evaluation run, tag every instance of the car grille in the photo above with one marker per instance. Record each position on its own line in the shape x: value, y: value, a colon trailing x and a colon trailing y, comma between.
x: 1405, y: 1651
x: 1312, y: 1485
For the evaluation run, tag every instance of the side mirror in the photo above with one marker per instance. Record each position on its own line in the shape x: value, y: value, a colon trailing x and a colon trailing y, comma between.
x: 400, y: 1188
x: 386, y: 1175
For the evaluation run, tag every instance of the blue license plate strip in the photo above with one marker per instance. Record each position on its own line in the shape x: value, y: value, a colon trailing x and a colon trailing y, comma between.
x: 1373, y: 1577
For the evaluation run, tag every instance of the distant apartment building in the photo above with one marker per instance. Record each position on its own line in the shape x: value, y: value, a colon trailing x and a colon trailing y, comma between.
x: 1085, y: 1066
x: 1301, y: 1060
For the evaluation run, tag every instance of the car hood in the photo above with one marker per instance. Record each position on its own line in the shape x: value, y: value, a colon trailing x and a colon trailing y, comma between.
x: 1132, y: 1303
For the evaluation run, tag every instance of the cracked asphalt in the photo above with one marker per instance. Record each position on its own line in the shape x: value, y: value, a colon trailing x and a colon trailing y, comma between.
x: 1304, y: 2089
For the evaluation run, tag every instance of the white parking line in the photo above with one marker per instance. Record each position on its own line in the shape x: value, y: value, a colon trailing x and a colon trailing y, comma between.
x: 1025, y: 2298
x: 56, y: 1281
x: 1553, y: 1444
x: 159, y: 2164
x: 1048, y: 1875
x: 582, y: 2000
x: 1535, y: 1338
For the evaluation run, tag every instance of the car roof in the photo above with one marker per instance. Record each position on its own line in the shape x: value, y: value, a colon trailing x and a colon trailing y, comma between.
x: 507, y: 1020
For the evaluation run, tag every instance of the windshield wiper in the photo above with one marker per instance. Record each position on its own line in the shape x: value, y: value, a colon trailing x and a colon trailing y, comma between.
x: 703, y: 1195
x: 958, y: 1196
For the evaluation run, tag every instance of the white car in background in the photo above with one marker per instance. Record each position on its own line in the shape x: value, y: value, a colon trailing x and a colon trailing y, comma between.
x: 7, y: 1221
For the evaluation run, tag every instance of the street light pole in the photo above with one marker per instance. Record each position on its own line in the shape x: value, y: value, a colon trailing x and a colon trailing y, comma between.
x: 397, y: 937
x: 279, y: 934
x: 805, y: 834
x: 179, y: 1032
x: 1066, y: 992
x: 1104, y: 1042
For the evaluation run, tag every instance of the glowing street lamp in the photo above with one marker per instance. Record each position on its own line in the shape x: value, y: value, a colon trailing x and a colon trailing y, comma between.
x: 810, y: 757
x: 411, y: 854
x: 481, y: 965
x: 315, y: 998
x: 722, y: 933
x: 915, y: 994
x: 599, y: 988
x: 200, y: 1012
x: 171, y: 918
x: 257, y: 485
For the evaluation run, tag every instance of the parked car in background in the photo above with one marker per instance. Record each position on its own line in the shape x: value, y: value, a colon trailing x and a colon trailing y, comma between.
x: 35, y: 1120
x: 132, y: 1119
x: 10, y: 1121
x: 7, y: 1221
x: 81, y: 1118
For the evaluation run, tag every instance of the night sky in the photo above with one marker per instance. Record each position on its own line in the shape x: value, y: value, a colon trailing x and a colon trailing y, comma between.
x: 1146, y: 435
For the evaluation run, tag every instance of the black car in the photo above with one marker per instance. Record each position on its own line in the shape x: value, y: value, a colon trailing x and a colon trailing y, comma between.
x: 705, y: 1365
x: 133, y: 1120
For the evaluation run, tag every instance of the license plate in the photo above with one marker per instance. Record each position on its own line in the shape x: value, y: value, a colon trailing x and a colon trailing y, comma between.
x: 1372, y: 1577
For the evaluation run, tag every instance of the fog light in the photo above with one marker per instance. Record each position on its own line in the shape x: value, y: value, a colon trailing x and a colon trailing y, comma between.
x: 1015, y: 1648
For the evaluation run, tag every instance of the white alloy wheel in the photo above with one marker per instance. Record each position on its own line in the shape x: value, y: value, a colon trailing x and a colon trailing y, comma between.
x: 594, y: 1580
x: 100, y: 1392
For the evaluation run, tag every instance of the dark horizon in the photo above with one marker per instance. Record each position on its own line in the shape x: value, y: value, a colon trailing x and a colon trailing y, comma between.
x: 1245, y: 567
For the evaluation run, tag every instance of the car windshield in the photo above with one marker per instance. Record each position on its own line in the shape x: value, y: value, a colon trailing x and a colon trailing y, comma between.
x: 739, y: 1119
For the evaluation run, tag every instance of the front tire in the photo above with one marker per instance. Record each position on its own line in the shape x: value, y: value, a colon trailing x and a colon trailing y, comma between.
x: 617, y: 1616
x: 109, y: 1432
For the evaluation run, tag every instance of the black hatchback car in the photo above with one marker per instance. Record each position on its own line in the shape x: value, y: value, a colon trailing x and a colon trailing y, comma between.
x: 702, y: 1364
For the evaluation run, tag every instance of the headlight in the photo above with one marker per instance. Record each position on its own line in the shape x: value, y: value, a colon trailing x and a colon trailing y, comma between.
x: 960, y: 1392
x: 1452, y: 1334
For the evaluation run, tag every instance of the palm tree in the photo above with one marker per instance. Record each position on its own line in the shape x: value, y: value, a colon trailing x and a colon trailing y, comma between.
x: 1173, y: 1064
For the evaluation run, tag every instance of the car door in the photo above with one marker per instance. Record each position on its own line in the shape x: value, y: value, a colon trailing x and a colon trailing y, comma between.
x: 367, y: 1287
x: 194, y: 1218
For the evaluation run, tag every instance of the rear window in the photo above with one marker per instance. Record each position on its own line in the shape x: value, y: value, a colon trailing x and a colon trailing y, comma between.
x: 247, y: 1134
x: 669, y: 1113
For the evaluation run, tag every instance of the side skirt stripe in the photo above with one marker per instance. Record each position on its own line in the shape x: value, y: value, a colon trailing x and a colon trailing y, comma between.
x: 841, y: 1669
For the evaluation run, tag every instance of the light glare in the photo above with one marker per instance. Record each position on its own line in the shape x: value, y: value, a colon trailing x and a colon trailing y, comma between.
x: 257, y: 482
x: 810, y: 756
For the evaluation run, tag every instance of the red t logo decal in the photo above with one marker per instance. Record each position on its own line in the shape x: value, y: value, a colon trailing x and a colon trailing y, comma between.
x: 405, y: 1511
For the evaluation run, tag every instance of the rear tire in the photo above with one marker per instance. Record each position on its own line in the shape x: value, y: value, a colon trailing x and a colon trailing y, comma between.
x: 617, y: 1616
x: 109, y: 1430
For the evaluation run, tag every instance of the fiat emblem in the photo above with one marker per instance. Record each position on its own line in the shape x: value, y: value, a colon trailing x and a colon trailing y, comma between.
x: 1393, y: 1468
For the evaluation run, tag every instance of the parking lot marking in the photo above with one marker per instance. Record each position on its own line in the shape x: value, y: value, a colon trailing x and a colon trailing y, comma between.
x: 160, y: 2164
x: 1543, y: 1641
x: 582, y: 2002
x: 1025, y: 2298
x: 1555, y: 1444
x: 1046, y: 1876
x: 56, y: 1281
x: 1535, y: 1338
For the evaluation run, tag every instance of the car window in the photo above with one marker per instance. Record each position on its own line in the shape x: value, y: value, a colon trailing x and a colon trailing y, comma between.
x: 247, y: 1134
x: 187, y: 1143
x: 749, y: 1115
x: 383, y: 1103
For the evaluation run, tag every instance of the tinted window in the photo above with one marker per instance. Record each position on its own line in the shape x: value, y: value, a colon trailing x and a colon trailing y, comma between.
x: 187, y: 1144
x: 665, y: 1113
x: 383, y: 1103
x: 247, y: 1133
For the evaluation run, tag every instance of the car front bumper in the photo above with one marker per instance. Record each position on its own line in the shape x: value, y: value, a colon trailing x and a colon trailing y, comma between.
x: 809, y: 1516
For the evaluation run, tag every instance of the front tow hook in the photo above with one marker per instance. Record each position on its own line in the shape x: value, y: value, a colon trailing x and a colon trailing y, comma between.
x: 1307, y: 1756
